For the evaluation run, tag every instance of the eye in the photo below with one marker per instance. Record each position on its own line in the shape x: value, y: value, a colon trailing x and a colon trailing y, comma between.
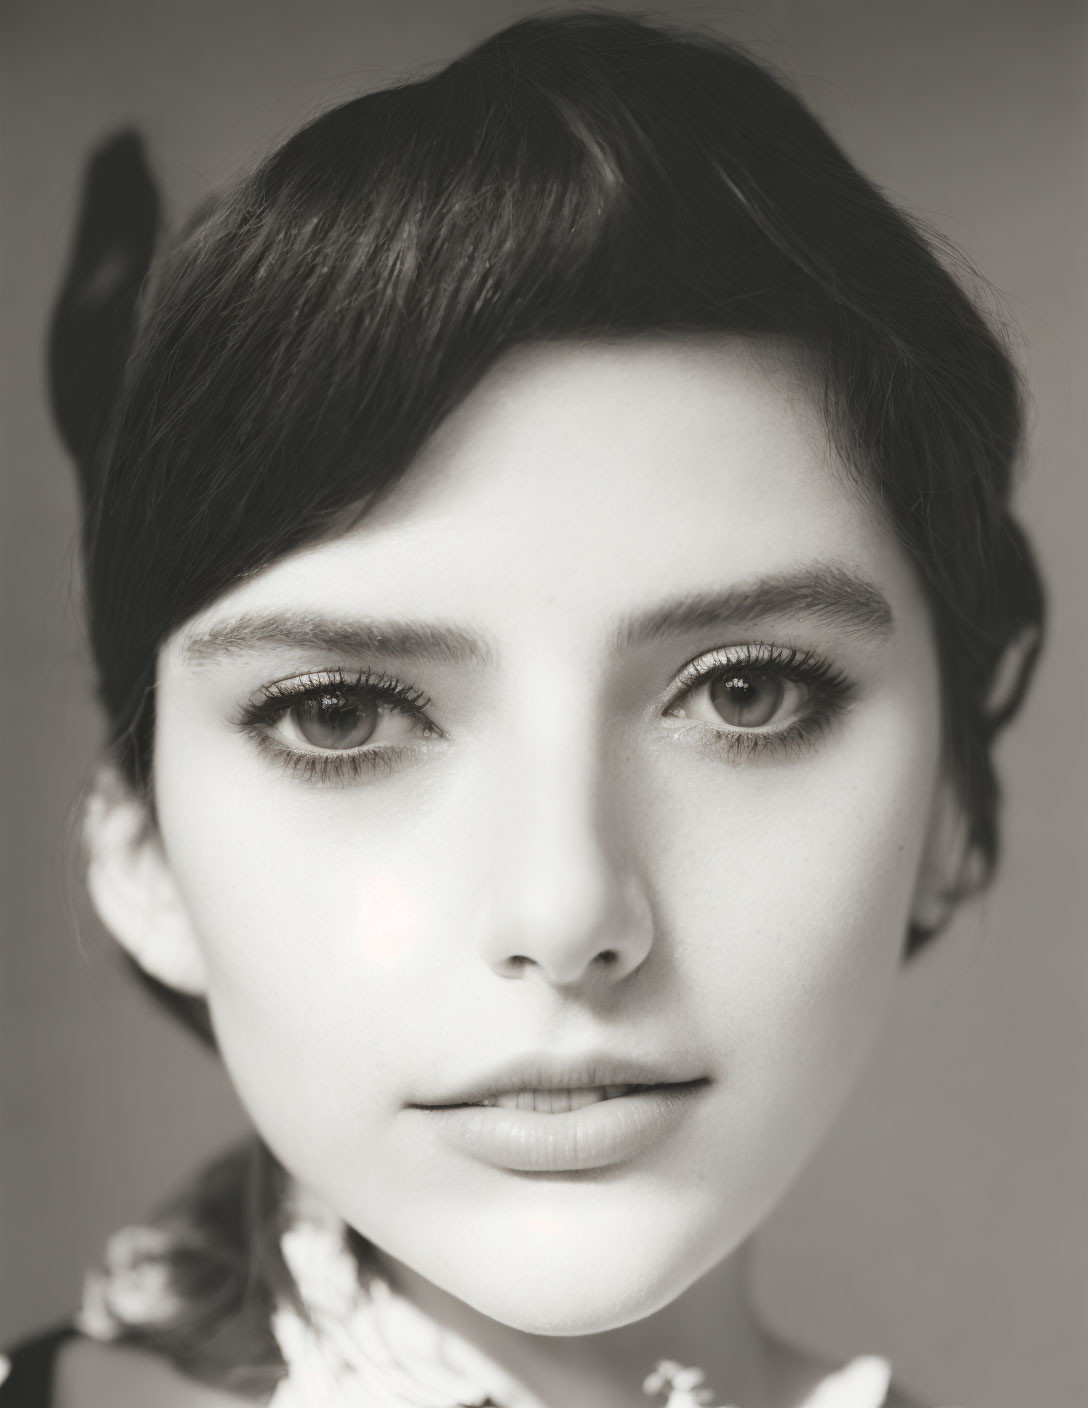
x: 331, y: 720
x: 344, y: 715
x: 744, y: 698
x: 751, y: 700
x: 321, y: 723
x: 757, y: 696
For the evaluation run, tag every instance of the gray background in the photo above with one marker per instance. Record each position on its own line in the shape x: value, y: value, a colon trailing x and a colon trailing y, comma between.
x: 944, y: 1224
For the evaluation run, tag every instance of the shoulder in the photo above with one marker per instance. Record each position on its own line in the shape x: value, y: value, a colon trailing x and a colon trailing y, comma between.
x: 94, y: 1375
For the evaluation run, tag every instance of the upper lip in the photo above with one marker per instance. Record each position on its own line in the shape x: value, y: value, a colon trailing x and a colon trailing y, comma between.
x: 547, y: 1071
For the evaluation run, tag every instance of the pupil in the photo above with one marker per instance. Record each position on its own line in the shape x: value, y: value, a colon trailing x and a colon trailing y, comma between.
x: 332, y: 721
x: 749, y: 700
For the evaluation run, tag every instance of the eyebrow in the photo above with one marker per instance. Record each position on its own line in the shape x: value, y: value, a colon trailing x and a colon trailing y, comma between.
x: 402, y: 640
x: 830, y: 595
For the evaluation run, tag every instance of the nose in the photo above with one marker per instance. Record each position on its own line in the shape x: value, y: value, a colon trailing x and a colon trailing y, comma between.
x: 565, y: 901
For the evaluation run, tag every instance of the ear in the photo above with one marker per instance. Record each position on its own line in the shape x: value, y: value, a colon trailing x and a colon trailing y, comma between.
x: 944, y: 859
x: 133, y: 889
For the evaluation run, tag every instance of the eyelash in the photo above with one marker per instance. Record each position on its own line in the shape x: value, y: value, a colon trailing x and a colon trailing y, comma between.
x: 829, y: 693
x: 343, y: 766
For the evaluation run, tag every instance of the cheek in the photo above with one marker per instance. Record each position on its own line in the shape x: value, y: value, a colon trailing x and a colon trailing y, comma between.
x: 388, y: 916
x: 317, y: 926
x: 788, y: 890
x: 301, y: 914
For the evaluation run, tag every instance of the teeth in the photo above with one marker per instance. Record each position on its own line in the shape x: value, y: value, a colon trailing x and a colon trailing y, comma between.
x: 555, y: 1102
x: 578, y: 1098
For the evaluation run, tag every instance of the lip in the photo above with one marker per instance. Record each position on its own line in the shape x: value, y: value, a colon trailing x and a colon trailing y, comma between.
x: 527, y: 1141
x: 609, y: 1131
x: 546, y: 1071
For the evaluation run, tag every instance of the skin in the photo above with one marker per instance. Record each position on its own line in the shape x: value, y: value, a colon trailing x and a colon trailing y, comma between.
x: 365, y: 942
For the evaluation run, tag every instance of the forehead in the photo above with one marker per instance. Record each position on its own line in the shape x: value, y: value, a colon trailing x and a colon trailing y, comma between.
x: 613, y: 473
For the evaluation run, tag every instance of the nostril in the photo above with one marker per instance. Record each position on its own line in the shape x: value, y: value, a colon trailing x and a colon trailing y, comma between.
x: 517, y: 965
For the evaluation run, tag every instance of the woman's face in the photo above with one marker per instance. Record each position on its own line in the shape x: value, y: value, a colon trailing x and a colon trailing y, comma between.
x: 602, y: 754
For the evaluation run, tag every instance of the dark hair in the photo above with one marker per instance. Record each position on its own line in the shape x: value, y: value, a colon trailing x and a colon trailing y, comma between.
x: 574, y: 176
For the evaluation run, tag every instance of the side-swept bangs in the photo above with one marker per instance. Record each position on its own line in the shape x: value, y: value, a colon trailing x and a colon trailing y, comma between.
x: 573, y: 177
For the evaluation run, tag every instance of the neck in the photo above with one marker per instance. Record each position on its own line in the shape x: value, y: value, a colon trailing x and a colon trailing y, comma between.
x: 711, y: 1325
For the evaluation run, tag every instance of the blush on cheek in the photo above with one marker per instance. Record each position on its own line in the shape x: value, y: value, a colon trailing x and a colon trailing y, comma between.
x: 544, y: 1226
x: 388, y: 920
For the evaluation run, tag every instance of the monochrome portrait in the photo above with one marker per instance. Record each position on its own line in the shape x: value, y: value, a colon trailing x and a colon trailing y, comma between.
x: 545, y: 809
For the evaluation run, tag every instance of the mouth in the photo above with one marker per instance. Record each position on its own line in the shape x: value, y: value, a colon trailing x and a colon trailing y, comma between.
x: 551, y: 1084
x: 538, y: 1118
x: 559, y: 1100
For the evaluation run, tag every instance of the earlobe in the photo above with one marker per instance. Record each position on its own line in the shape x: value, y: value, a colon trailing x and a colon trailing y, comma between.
x: 943, y: 863
x: 132, y: 887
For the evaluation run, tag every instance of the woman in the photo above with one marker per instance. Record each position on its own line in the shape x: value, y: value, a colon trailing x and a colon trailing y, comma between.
x: 551, y: 575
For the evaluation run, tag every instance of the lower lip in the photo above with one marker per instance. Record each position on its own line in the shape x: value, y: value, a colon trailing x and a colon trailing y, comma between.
x: 526, y: 1141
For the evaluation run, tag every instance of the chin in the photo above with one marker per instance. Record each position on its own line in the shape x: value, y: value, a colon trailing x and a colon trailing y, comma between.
x: 582, y: 1296
x: 589, y: 1309
x: 551, y: 1272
